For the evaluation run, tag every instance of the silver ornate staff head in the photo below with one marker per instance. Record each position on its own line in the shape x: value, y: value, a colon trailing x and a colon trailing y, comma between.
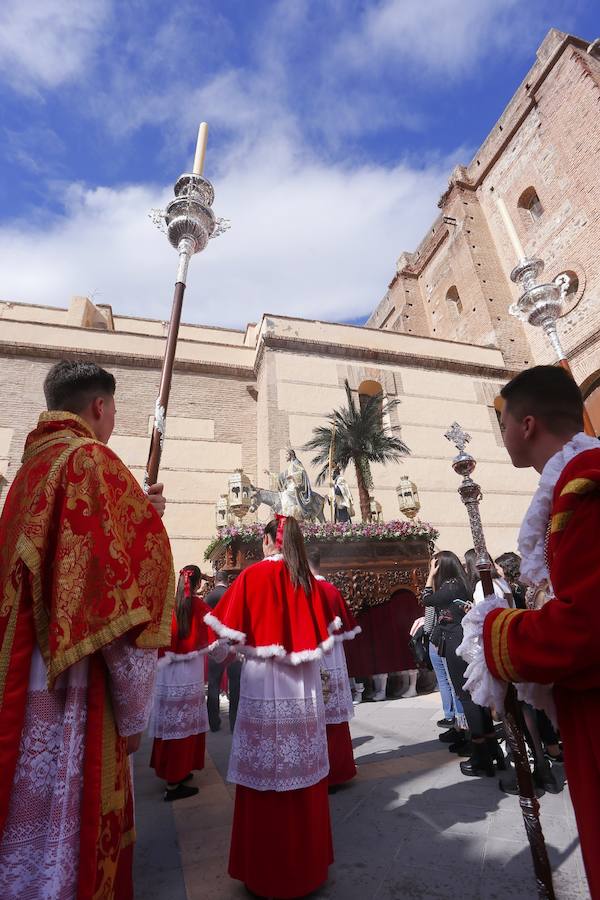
x: 470, y: 492
x: 540, y: 304
x: 189, y: 221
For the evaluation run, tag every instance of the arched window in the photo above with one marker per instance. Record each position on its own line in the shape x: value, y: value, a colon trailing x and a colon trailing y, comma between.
x: 454, y: 302
x: 573, y: 287
x: 368, y: 389
x: 531, y: 203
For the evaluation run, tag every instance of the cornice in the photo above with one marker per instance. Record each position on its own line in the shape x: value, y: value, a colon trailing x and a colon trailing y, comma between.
x: 129, y: 360
x: 398, y: 358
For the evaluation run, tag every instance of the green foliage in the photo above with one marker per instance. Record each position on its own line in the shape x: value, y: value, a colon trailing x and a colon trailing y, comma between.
x: 359, y: 436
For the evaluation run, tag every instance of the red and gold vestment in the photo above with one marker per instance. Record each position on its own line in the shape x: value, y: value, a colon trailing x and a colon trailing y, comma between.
x: 85, y: 563
x: 559, y: 643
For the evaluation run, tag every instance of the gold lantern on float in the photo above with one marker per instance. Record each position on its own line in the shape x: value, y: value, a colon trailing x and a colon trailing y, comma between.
x: 408, y: 497
x: 239, y: 494
x: 222, y: 511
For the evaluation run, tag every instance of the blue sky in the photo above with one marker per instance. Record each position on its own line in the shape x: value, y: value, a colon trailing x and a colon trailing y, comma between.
x: 334, y: 125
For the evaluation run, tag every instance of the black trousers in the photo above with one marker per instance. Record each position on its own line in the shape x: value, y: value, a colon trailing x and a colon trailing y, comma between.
x: 479, y: 718
x: 215, y: 674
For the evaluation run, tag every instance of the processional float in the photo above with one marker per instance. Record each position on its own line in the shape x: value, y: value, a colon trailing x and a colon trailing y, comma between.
x: 471, y: 495
x: 189, y: 223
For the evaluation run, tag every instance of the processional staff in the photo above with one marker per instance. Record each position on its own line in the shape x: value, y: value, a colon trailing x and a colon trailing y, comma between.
x: 540, y: 305
x: 471, y: 495
x: 190, y: 223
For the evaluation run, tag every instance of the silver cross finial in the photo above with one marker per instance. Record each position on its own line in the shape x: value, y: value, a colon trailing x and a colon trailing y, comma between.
x: 457, y: 436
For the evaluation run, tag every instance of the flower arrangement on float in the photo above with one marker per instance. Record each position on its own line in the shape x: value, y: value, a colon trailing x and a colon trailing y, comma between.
x: 396, y: 530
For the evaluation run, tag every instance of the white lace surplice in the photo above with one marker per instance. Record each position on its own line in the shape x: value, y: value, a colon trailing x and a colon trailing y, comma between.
x: 279, y: 741
x: 39, y: 849
x: 336, y: 687
x: 179, y: 709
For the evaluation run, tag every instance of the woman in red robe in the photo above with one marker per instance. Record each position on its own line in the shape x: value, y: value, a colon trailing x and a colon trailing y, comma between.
x: 179, y: 717
x: 281, y: 622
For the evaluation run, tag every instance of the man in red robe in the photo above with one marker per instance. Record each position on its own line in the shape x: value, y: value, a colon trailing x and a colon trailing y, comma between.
x: 542, y: 424
x: 86, y: 594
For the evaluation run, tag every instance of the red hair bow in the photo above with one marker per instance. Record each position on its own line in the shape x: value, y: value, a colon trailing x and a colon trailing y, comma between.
x: 281, y: 520
x: 187, y: 582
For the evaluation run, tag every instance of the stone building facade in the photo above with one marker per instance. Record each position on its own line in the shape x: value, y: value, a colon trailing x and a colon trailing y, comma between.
x: 239, y: 397
x: 441, y: 341
x: 541, y: 159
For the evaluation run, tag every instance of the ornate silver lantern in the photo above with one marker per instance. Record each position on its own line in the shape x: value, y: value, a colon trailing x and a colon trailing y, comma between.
x: 222, y: 516
x: 408, y: 497
x: 239, y: 494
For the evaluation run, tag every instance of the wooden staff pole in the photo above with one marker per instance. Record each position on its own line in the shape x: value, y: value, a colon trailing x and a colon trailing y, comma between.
x: 164, y: 390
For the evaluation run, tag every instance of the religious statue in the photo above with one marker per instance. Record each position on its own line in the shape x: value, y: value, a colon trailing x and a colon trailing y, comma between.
x: 294, y: 495
x: 342, y: 498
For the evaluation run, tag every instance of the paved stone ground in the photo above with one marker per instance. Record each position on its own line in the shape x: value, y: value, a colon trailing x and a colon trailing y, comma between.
x: 409, y: 826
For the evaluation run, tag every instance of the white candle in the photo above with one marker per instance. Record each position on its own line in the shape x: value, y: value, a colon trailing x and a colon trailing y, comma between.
x: 200, y: 149
x: 510, y: 228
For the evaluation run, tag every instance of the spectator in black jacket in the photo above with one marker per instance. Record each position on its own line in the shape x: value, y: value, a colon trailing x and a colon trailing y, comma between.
x: 231, y: 663
x: 448, y: 591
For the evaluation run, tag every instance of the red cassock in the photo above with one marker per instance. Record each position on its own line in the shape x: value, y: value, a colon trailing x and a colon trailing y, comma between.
x: 179, y: 718
x: 559, y: 643
x: 337, y: 695
x: 281, y: 839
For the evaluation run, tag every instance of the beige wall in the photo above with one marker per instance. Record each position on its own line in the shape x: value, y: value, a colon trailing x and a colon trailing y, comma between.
x: 309, y: 387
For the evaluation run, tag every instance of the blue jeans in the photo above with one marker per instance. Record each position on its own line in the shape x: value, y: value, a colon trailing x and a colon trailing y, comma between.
x: 446, y: 692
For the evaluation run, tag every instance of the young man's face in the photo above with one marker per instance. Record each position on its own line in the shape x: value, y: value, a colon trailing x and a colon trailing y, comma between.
x: 514, y: 434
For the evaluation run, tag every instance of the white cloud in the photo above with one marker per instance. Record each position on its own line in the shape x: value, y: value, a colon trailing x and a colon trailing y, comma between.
x: 440, y: 37
x: 307, y: 239
x: 44, y: 43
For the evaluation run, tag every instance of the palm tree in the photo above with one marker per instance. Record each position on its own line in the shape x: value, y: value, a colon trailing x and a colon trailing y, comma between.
x: 359, y: 436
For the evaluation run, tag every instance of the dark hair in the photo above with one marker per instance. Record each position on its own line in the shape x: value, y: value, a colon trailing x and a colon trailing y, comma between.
x: 294, y: 552
x: 73, y: 385
x: 472, y: 571
x: 183, y: 604
x: 450, y: 569
x: 313, y: 554
x: 511, y: 566
x: 221, y: 577
x: 547, y: 393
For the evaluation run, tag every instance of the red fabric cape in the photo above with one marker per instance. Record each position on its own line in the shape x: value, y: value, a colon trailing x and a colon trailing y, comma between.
x: 200, y: 638
x: 269, y: 617
x: 349, y: 627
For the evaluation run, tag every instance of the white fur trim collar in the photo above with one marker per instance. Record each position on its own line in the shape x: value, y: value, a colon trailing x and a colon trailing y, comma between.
x: 275, y: 557
x: 532, y: 535
x: 268, y: 651
x: 348, y: 635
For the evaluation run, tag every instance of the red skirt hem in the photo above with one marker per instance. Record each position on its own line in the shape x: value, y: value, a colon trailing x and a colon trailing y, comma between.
x: 174, y: 759
x: 281, y: 841
x: 342, y: 767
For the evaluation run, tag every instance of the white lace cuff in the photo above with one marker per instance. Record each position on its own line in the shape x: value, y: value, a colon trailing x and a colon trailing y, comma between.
x: 485, y: 690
